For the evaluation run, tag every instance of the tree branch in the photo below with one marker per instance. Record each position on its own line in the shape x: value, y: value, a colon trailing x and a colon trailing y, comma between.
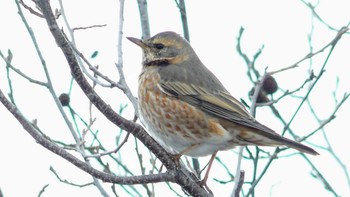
x: 33, y: 131
x: 146, y: 32
x: 180, y: 176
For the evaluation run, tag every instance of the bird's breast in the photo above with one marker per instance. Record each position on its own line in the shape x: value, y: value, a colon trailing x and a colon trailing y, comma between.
x: 174, y: 123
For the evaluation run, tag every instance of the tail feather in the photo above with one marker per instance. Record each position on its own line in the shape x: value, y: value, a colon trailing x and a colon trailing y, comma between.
x: 276, y: 139
x: 268, y: 137
x: 298, y: 146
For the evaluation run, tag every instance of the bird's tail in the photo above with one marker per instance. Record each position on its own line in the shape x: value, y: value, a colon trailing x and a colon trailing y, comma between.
x: 267, y: 137
x: 298, y: 146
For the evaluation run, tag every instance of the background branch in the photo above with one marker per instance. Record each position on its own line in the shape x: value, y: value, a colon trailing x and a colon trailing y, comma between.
x: 181, y: 176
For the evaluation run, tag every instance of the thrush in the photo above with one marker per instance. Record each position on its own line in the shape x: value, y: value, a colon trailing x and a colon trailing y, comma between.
x: 187, y: 109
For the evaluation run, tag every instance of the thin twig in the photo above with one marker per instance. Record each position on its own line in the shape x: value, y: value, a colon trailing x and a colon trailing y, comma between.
x: 332, y: 44
x: 322, y: 124
x: 329, y: 119
x: 320, y: 176
x: 142, y: 168
x: 66, y: 181
x: 88, y: 27
x: 122, y: 85
x: 250, y: 63
x: 41, y: 191
x: 8, y: 60
x: 112, y: 151
x: 316, y: 15
x: 238, y: 179
x: 182, y: 7
x: 342, y: 31
x: 19, y: 72
x: 110, y: 83
x: 55, y: 97
x: 43, y: 141
x: 31, y: 10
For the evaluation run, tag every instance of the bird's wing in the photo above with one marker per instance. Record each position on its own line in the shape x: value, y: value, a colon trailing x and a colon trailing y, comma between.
x: 217, y: 103
x: 222, y: 104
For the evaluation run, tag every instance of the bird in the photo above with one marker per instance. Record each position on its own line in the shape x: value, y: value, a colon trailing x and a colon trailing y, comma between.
x: 185, y: 107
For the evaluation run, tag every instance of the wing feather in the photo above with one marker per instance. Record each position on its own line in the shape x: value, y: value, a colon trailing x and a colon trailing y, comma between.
x: 221, y: 104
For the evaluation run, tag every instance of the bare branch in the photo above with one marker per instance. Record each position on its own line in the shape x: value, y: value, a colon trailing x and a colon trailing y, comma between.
x: 19, y: 72
x: 240, y: 184
x: 122, y: 82
x: 88, y: 27
x: 182, y: 7
x: 31, y: 10
x: 67, y: 182
x: 181, y: 176
x: 317, y: 174
x: 316, y: 15
x: 332, y: 44
x: 143, y: 10
x: 122, y: 85
x: 251, y: 68
x: 250, y: 63
x: 112, y: 151
x: 329, y: 119
x: 75, y: 161
x: 40, y: 193
x: 310, y: 55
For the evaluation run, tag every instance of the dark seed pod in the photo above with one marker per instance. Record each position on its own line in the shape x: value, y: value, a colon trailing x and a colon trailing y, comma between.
x: 64, y: 99
x: 262, y: 98
x: 270, y: 85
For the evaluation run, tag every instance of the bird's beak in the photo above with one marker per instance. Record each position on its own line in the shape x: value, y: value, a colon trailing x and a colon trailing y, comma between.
x: 137, y: 41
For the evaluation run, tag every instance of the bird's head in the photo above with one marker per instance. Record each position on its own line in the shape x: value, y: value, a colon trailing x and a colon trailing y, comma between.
x: 164, y: 49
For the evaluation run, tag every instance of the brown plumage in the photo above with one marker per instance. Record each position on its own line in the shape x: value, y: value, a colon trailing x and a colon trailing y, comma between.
x: 187, y: 109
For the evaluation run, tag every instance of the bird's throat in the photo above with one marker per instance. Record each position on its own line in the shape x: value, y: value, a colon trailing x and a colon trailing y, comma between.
x: 164, y: 61
x: 156, y: 62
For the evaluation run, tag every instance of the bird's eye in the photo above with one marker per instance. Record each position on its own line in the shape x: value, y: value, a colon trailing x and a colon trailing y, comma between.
x: 158, y: 46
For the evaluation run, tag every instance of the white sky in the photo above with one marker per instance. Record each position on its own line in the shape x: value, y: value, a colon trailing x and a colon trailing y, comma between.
x: 282, y: 27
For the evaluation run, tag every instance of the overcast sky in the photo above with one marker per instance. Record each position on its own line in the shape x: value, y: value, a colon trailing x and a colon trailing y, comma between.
x: 281, y: 27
